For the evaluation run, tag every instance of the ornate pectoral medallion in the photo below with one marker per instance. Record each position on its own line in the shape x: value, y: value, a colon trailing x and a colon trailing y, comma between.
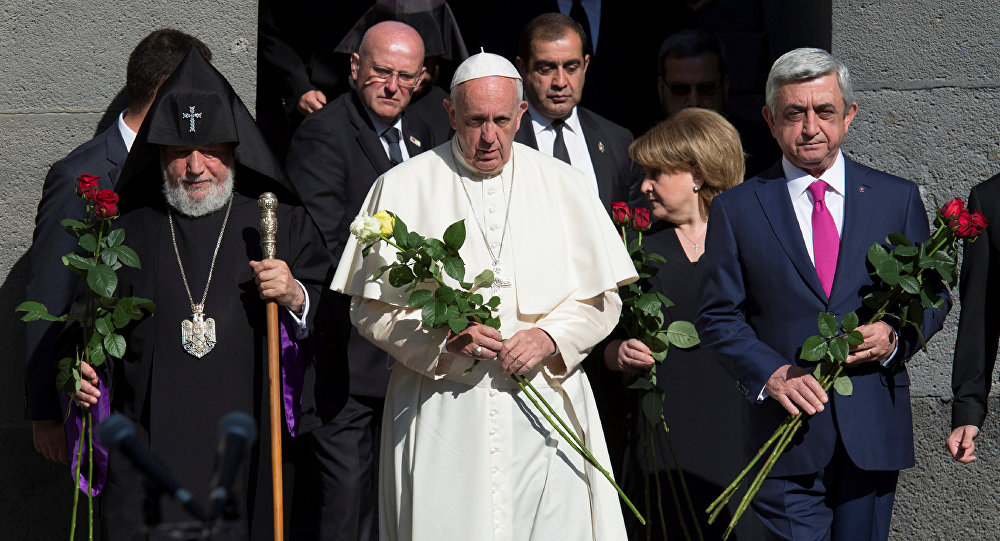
x: 500, y: 280
x: 198, y: 333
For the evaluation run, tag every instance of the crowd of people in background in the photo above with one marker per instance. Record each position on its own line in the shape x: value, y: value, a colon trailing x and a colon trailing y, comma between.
x: 763, y: 222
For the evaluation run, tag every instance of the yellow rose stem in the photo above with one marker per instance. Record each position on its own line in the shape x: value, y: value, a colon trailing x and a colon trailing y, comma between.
x: 571, y: 437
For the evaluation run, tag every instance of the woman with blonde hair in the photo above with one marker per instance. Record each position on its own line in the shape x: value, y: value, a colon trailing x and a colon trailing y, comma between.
x: 689, y: 158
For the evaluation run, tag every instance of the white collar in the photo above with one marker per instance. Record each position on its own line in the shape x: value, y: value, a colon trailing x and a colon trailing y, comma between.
x: 128, y: 136
x: 540, y: 122
x: 799, y: 180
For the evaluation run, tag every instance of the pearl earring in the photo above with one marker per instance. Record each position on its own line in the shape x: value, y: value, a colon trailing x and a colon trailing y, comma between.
x: 696, y: 187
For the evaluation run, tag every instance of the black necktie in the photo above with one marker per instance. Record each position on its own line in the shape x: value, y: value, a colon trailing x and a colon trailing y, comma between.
x: 580, y: 15
x: 559, y: 147
x: 391, y: 136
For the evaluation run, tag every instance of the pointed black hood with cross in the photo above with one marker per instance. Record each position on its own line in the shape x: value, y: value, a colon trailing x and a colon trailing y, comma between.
x: 196, y: 106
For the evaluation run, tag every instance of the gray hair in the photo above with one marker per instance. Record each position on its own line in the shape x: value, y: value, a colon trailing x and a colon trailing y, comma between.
x: 805, y: 64
x: 518, y: 85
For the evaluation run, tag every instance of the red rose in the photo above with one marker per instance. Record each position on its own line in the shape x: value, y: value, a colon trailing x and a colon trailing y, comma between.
x: 978, y: 223
x: 640, y: 219
x: 105, y: 203
x: 620, y: 213
x: 86, y: 186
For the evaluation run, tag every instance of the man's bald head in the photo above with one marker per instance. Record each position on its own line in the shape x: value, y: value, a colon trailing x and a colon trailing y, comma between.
x: 387, y: 67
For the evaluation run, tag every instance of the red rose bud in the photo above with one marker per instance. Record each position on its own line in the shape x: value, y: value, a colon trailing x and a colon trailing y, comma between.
x: 978, y: 222
x: 105, y: 204
x: 952, y: 208
x: 86, y: 186
x: 640, y: 219
x: 620, y: 213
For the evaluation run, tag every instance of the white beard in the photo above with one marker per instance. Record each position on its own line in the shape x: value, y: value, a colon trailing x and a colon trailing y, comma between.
x: 215, y: 199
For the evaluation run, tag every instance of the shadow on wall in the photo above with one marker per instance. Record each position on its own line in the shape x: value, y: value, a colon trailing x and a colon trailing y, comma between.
x: 117, y: 105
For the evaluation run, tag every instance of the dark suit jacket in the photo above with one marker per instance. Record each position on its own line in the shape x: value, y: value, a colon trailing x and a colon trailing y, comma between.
x: 49, y: 282
x: 333, y: 161
x: 978, y: 327
x: 618, y: 177
x: 760, y: 297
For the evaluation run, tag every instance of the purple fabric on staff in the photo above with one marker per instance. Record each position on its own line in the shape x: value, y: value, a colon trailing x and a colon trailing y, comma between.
x: 74, y: 434
x: 292, y: 370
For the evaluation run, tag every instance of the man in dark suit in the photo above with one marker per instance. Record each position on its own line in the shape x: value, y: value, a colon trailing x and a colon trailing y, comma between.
x: 335, y: 156
x: 553, y: 63
x: 978, y: 327
x: 783, y: 247
x: 150, y: 63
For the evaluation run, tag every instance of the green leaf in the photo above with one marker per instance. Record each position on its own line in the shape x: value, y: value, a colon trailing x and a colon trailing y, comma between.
x: 814, y: 348
x: 667, y: 303
x: 414, y: 240
x: 400, y: 276
x: 109, y: 256
x: 652, y: 407
x: 493, y: 302
x: 492, y: 322
x: 122, y: 313
x: 420, y: 297
x: 648, y: 303
x: 35, y: 311
x: 476, y: 299
x: 89, y: 242
x: 909, y: 284
x: 65, y: 380
x: 659, y: 356
x: 897, y: 239
x: 454, y: 236
x: 485, y: 279
x: 70, y: 223
x: 455, y: 267
x: 115, y: 345
x: 855, y: 338
x: 818, y: 371
x: 400, y: 233
x: 97, y: 356
x: 435, y: 248
x: 116, y: 237
x: 905, y: 251
x: 458, y: 324
x: 877, y: 255
x: 103, y: 325
x: 445, y: 293
x: 128, y: 257
x: 850, y: 322
x: 827, y: 324
x: 839, y: 348
x: 929, y: 299
x: 889, y: 272
x: 642, y: 384
x: 433, y: 312
x: 682, y: 334
x: 658, y: 341
x: 843, y: 386
x: 102, y: 280
x: 657, y: 258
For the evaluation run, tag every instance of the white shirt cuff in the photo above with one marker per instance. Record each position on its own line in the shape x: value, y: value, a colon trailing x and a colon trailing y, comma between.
x: 301, y: 329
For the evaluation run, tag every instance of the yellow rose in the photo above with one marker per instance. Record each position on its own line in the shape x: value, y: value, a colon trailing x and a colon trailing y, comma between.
x: 387, y: 221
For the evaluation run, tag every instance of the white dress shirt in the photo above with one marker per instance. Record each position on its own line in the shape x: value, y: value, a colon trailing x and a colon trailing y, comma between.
x: 380, y: 128
x: 576, y: 144
x: 802, y: 201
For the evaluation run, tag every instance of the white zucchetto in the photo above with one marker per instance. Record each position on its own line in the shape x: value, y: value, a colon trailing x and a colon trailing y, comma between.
x: 482, y: 65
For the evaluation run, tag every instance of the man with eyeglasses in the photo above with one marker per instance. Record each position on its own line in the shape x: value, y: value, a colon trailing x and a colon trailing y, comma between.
x: 335, y: 156
x: 694, y: 73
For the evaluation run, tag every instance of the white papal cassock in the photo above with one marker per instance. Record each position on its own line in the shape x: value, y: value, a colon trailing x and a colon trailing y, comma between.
x: 467, y: 457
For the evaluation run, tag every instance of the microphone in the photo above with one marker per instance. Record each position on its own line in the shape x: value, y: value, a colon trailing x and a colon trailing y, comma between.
x: 117, y: 432
x: 237, y: 431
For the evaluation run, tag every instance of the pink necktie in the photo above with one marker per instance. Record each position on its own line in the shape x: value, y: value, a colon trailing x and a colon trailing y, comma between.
x: 826, y: 240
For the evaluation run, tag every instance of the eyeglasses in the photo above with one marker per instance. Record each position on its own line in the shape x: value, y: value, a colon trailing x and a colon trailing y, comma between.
x: 702, y: 89
x: 405, y: 80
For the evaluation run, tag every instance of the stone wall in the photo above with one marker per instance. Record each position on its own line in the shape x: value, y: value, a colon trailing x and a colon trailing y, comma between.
x: 928, y: 91
x: 64, y: 66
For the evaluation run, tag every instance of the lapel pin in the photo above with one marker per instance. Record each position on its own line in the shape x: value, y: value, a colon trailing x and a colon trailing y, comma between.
x: 861, y: 189
x: 415, y: 141
x: 600, y: 146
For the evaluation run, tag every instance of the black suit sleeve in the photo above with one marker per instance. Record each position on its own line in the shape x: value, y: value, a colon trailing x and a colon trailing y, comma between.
x: 52, y: 285
x: 319, y: 173
x: 308, y: 260
x: 978, y: 328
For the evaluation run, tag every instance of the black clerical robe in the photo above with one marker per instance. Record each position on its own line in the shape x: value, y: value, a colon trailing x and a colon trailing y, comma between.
x: 177, y: 399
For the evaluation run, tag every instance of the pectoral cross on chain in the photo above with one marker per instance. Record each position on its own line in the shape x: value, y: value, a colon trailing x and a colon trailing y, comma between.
x: 191, y: 116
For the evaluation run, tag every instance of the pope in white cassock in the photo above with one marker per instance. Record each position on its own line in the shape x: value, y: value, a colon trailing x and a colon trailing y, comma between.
x: 466, y: 456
